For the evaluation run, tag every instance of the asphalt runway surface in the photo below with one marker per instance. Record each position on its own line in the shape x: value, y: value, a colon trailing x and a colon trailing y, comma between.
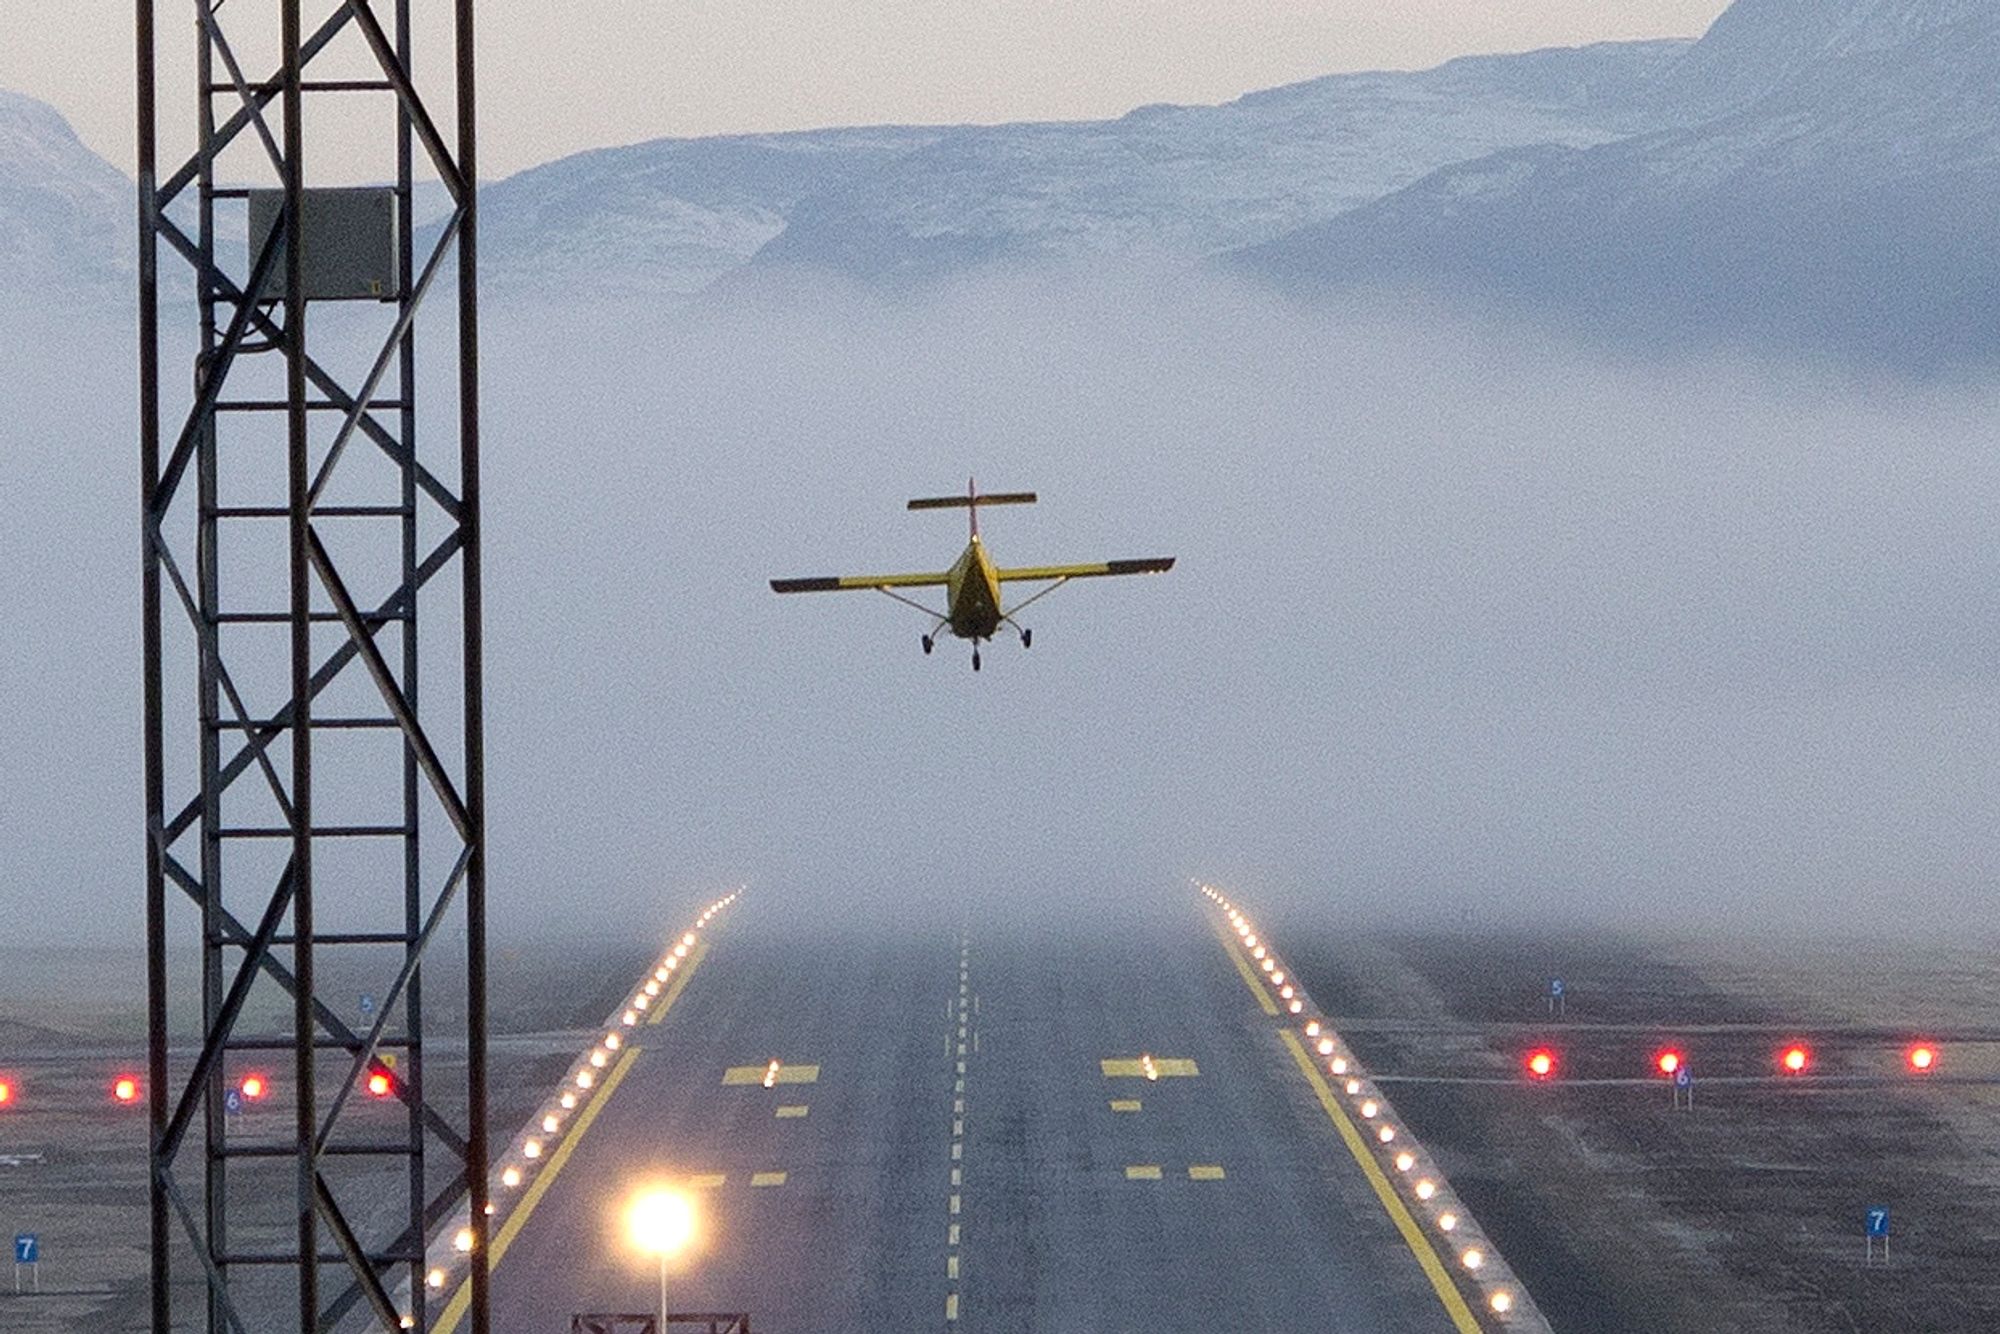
x: 943, y: 1146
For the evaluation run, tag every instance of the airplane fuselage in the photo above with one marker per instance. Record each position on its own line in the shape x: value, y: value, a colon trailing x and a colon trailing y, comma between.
x: 972, y: 589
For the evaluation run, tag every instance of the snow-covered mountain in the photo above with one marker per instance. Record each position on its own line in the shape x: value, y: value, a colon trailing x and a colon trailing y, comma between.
x: 673, y: 215
x: 66, y: 215
x: 1854, y: 201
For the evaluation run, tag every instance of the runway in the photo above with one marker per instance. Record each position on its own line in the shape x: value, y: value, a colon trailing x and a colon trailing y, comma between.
x: 961, y: 1133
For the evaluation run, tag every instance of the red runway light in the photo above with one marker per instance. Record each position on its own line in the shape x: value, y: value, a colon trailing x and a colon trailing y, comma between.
x: 379, y: 1083
x: 1541, y: 1063
x: 6, y: 1093
x: 254, y: 1087
x: 1922, y: 1058
x: 125, y: 1089
x: 1795, y: 1059
x: 1668, y: 1061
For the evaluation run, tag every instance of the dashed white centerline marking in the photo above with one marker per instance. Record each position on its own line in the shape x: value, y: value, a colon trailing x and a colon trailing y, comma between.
x: 955, y: 1201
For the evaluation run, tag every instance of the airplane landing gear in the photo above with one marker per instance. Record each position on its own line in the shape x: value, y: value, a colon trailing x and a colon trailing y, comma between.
x: 975, y: 660
x: 1027, y: 639
x: 929, y: 644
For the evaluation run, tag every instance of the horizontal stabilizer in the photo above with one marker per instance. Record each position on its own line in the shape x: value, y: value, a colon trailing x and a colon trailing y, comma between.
x: 967, y: 502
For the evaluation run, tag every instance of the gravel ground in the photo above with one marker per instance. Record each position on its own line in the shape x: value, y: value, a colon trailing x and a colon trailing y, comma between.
x: 73, y: 1162
x: 1620, y: 1213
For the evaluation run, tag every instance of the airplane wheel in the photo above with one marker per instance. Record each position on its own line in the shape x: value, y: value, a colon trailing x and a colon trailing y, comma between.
x: 1027, y: 639
x: 929, y: 644
x: 975, y: 660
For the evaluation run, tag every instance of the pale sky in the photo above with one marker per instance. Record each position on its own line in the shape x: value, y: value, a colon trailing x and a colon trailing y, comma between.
x: 559, y: 78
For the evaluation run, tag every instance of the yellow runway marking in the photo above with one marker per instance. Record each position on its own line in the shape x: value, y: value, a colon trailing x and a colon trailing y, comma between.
x: 786, y: 1113
x: 957, y: 1150
x: 958, y: 1176
x: 768, y: 1179
x: 952, y: 1235
x: 1124, y: 1104
x: 1250, y: 978
x: 954, y: 1205
x: 1413, y: 1235
x: 707, y: 1180
x: 1163, y: 1066
x: 1149, y: 1172
x: 461, y: 1300
x: 951, y: 1307
x: 755, y: 1074
x: 1205, y: 1172
x: 951, y: 1266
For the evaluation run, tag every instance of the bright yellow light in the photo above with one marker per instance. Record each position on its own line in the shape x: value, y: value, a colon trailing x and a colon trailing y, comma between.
x: 463, y: 1241
x: 1296, y: 1006
x: 1259, y: 952
x: 1368, y: 1110
x: 1387, y: 1134
x: 688, y: 940
x: 568, y: 1101
x: 1474, y: 1258
x: 584, y: 1079
x: 1325, y: 1045
x: 1405, y: 1161
x: 613, y: 1042
x: 1339, y: 1066
x: 598, y: 1058
x: 1503, y: 1301
x: 511, y: 1177
x: 1426, y: 1188
x: 1312, y: 1031
x: 1353, y: 1087
x: 1447, y: 1221
x: 652, y: 988
x: 1277, y: 979
x: 532, y: 1149
x: 661, y: 1223
x: 549, y: 1124
x: 434, y: 1279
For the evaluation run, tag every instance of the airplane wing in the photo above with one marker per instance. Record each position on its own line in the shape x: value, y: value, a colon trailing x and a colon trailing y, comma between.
x: 835, y: 584
x: 1155, y: 565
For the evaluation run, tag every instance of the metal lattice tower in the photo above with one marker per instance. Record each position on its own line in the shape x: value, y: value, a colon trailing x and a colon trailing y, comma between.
x: 311, y: 828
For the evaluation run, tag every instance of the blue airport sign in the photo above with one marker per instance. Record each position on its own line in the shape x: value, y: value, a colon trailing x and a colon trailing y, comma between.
x: 27, y: 1248
x: 367, y: 1002
x: 1683, y: 1077
x: 232, y: 1102
x: 1878, y: 1221
x: 1556, y: 987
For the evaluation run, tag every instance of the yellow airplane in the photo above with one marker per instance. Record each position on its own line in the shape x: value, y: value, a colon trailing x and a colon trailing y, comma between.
x: 973, y: 606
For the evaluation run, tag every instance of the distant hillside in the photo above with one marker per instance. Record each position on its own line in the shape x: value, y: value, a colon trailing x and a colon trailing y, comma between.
x: 66, y: 215
x: 910, y: 202
x: 1846, y: 194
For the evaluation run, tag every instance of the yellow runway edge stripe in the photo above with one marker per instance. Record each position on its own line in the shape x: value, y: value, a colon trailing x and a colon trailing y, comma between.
x: 461, y: 1300
x: 1250, y: 978
x: 1413, y: 1235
